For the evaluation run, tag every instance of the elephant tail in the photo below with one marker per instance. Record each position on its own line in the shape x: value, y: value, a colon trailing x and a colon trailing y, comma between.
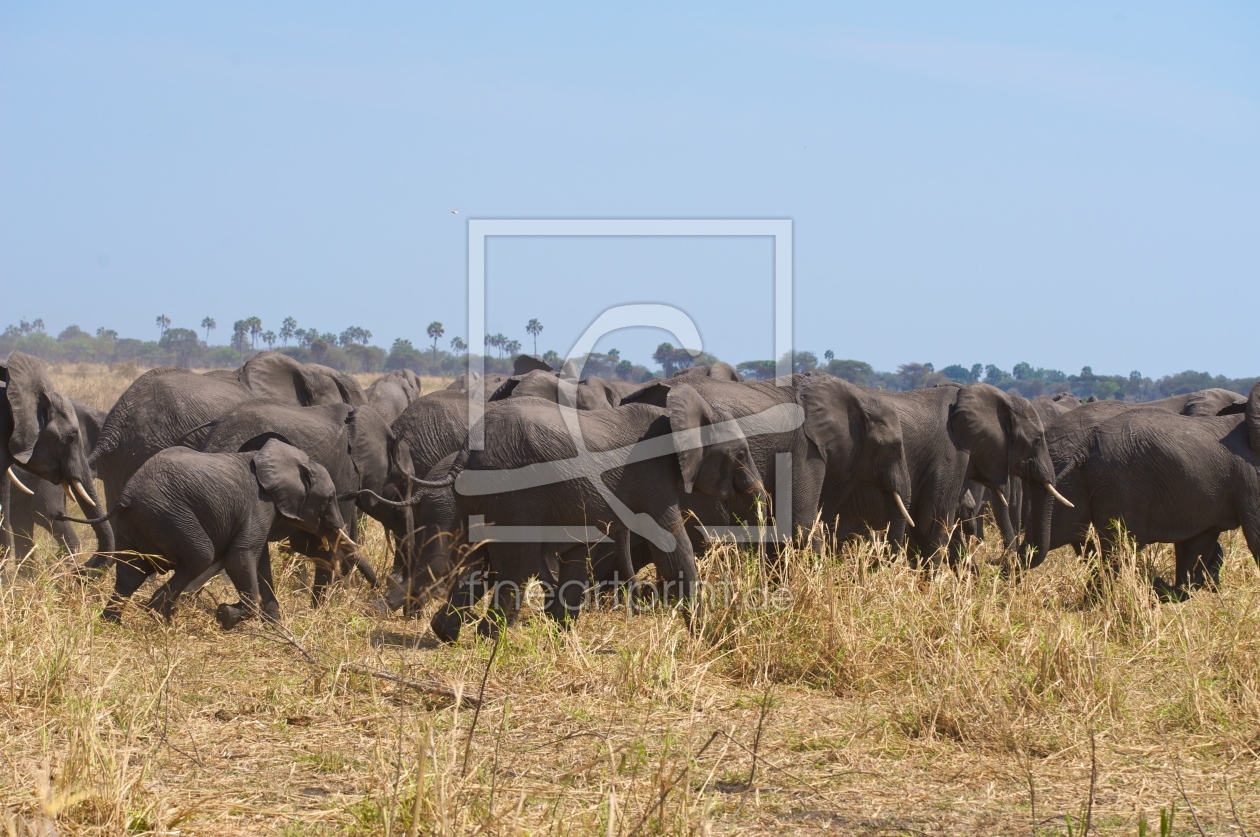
x: 95, y: 521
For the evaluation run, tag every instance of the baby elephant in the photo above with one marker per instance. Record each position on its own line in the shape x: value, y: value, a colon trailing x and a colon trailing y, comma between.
x: 196, y: 513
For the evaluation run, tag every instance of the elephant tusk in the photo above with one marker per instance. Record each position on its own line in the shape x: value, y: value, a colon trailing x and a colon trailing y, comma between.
x: 997, y: 492
x: 901, y: 507
x: 14, y: 479
x: 83, y: 495
x: 69, y: 494
x: 342, y: 536
x: 1054, y: 492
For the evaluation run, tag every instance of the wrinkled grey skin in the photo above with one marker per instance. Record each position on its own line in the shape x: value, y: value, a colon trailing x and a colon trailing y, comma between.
x: 353, y: 444
x: 487, y: 384
x: 523, y: 431
x: 433, y: 428
x: 49, y: 501
x: 1168, y: 476
x: 391, y: 394
x: 172, y: 406
x: 953, y: 435
x: 590, y: 394
x: 184, y: 510
x: 745, y: 400
x: 721, y: 370
x: 39, y: 431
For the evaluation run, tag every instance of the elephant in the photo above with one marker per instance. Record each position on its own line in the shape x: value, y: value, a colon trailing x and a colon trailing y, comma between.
x: 40, y: 432
x: 644, y: 461
x: 48, y: 501
x: 1189, y: 469
x: 720, y: 370
x: 353, y: 444
x: 391, y: 394
x: 196, y: 513
x: 772, y: 418
x: 171, y: 406
x: 953, y: 435
x: 434, y: 428
x: 590, y: 394
x: 488, y: 383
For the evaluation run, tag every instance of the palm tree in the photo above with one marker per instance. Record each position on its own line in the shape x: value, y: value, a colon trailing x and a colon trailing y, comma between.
x: 255, y: 331
x: 163, y: 322
x: 829, y: 356
x: 535, y: 328
x: 38, y: 324
x: 209, y: 325
x: 288, y: 329
x: 512, y: 347
x: 435, y: 331
x: 269, y: 337
x: 457, y: 344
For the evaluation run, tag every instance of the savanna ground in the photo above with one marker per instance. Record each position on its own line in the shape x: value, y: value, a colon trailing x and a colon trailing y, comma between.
x: 858, y: 698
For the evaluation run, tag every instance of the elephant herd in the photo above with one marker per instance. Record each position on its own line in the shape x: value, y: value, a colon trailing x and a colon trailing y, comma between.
x: 584, y: 482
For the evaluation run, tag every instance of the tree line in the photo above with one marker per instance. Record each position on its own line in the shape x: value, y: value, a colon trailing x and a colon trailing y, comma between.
x: 351, y: 350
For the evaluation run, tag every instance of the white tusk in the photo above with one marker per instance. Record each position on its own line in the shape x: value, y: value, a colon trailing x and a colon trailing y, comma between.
x: 65, y: 486
x: 901, y: 506
x: 1054, y: 492
x: 997, y: 492
x: 341, y: 535
x: 83, y: 495
x: 13, y: 479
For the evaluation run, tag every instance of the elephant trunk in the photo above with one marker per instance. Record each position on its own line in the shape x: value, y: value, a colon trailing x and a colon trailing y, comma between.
x: 6, y: 525
x: 1036, y: 543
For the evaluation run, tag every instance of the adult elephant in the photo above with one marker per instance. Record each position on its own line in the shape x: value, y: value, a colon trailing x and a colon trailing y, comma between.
x: 46, y: 506
x: 953, y: 435
x: 391, y: 394
x: 39, y: 431
x: 353, y: 444
x: 171, y: 406
x: 772, y: 418
x: 642, y: 461
x: 589, y: 394
x: 1165, y: 477
x: 720, y: 370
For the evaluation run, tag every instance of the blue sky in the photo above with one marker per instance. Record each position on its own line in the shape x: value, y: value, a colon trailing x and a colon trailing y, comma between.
x: 1064, y: 184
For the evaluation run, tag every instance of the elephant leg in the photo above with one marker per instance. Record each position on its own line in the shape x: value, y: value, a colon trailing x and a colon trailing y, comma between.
x: 267, y: 585
x: 457, y: 609
x: 23, y: 523
x: 130, y: 572
x: 512, y: 566
x: 64, y: 533
x: 1198, y: 560
x: 241, y: 566
x: 162, y: 602
x: 566, y: 603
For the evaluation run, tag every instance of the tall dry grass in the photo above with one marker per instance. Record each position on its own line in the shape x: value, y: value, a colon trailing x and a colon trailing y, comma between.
x: 852, y: 696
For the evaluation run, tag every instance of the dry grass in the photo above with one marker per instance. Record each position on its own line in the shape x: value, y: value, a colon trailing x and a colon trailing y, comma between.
x: 873, y: 700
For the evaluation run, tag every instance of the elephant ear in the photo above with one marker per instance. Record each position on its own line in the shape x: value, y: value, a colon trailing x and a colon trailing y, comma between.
x: 284, y: 472
x: 1253, y: 418
x: 327, y: 380
x: 28, y: 390
x: 655, y: 394
x: 370, y: 439
x: 688, y: 413
x: 530, y: 363
x: 723, y: 371
x: 980, y: 422
x: 504, y: 390
x: 834, y: 419
x: 279, y: 377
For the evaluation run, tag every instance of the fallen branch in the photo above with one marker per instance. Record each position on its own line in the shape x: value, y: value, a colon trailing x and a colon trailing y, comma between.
x: 427, y: 686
